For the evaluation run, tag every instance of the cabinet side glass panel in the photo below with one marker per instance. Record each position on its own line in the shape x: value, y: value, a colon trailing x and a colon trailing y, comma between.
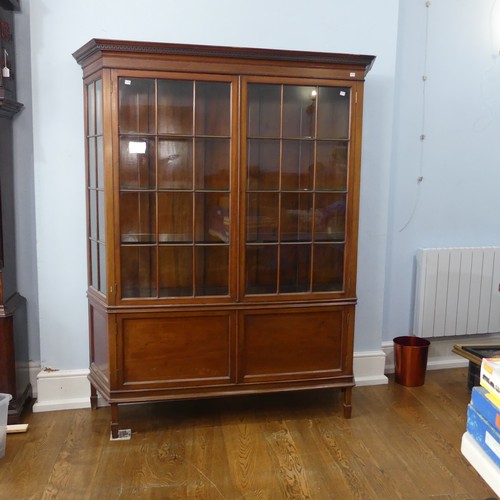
x: 96, y: 200
x: 175, y: 164
x: 297, y: 169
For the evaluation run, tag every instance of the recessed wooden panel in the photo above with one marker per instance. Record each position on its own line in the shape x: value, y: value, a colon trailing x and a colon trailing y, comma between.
x: 99, y: 341
x: 176, y: 349
x: 292, y: 345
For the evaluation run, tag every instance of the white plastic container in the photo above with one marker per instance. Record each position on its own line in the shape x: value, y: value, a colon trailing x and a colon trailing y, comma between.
x: 4, y: 413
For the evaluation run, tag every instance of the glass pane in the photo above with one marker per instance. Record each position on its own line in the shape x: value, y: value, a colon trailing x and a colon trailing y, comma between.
x: 98, y: 107
x: 137, y: 163
x: 333, y: 112
x: 94, y: 265
x: 212, y: 217
x: 330, y: 217
x: 295, y: 268
x: 213, y: 108
x: 262, y: 217
x: 297, y: 171
x: 212, y: 270
x: 138, y: 271
x: 263, y: 164
x: 331, y: 165
x: 101, y: 210
x: 100, y: 163
x: 212, y: 163
x: 138, y: 217
x: 137, y: 105
x: 261, y: 269
x: 91, y: 108
x: 328, y: 268
x: 296, y: 217
x: 175, y: 217
x: 264, y: 110
x: 176, y: 271
x: 299, y: 107
x: 92, y: 163
x: 175, y: 107
x: 102, y: 269
x: 175, y: 164
x: 93, y: 213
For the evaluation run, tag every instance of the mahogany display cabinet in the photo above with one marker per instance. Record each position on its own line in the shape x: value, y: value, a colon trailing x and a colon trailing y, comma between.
x: 222, y: 195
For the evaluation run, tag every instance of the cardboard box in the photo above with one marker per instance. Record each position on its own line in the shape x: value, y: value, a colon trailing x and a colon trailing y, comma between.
x: 484, y: 434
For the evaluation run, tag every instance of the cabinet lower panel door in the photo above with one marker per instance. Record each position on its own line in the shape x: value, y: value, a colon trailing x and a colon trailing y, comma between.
x: 175, y: 351
x: 292, y: 344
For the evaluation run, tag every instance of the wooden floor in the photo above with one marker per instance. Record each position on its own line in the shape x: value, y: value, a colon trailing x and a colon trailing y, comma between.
x: 400, y: 443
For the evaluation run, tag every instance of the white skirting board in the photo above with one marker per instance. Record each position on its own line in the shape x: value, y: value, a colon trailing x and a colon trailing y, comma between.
x: 62, y: 390
x: 70, y: 389
x: 483, y: 464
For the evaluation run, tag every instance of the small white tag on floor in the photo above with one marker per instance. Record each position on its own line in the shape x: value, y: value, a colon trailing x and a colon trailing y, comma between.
x: 123, y: 435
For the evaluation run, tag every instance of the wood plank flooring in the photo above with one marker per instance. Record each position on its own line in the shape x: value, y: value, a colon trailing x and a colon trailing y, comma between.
x: 401, y: 443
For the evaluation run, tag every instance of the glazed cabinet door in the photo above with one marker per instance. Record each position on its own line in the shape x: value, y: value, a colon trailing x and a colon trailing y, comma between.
x: 175, y: 168
x: 299, y: 183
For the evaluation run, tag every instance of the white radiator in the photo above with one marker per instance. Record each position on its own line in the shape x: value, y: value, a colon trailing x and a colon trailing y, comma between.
x: 457, y: 291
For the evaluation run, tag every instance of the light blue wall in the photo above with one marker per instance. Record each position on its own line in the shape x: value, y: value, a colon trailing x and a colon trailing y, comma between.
x: 59, y: 27
x: 458, y: 201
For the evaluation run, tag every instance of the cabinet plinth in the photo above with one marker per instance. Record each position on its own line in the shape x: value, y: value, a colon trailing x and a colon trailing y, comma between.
x: 222, y: 195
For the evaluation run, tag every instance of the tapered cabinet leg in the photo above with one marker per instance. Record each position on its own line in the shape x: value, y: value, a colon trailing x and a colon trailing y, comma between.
x: 114, y: 421
x: 347, y: 401
x: 93, y: 397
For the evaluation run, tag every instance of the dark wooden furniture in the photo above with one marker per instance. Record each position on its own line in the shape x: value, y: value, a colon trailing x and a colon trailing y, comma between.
x: 222, y: 190
x: 475, y: 354
x: 14, y: 368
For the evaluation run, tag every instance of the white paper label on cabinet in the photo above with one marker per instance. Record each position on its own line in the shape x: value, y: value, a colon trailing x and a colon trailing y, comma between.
x: 127, y: 82
x: 342, y: 93
x: 352, y: 75
x: 135, y: 147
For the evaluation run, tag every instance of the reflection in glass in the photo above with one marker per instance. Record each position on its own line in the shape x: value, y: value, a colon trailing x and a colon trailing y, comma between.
x: 137, y: 170
x: 295, y: 268
x: 299, y: 109
x: 330, y: 217
x: 138, y: 271
x: 137, y: 105
x: 91, y: 108
x: 175, y: 107
x: 101, y: 212
x: 92, y: 163
x: 333, y: 112
x: 175, y: 164
x: 94, y: 265
x: 263, y: 164
x: 93, y: 213
x: 212, y: 162
x: 328, y: 267
x: 100, y: 162
x: 331, y: 166
x: 213, y: 108
x: 137, y: 217
x: 175, y: 217
x: 98, y: 107
x: 176, y: 271
x: 264, y: 110
x: 212, y: 270
x: 261, y: 269
x: 102, y: 269
x: 297, y: 171
x: 212, y: 217
x: 296, y: 217
x: 262, y: 213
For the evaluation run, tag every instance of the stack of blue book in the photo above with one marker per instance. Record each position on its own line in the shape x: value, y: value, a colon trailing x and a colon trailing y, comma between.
x: 483, y: 420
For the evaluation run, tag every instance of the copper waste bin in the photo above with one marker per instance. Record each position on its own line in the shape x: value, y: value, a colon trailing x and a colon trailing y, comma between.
x: 410, y: 360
